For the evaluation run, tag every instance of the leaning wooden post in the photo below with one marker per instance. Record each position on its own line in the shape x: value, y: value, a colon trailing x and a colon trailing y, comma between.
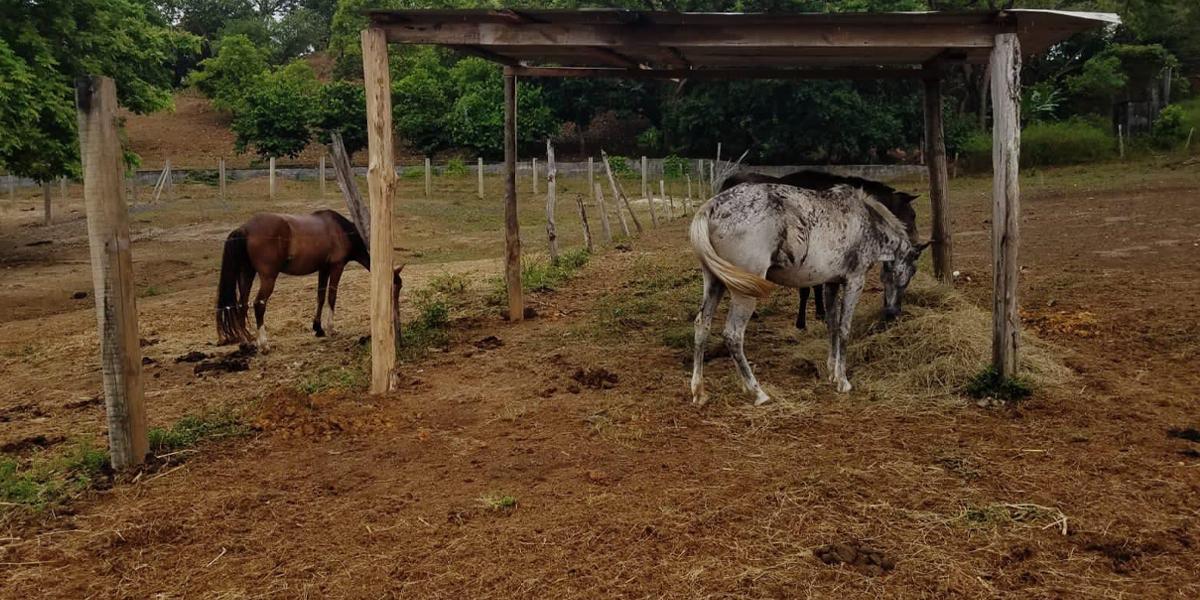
x: 603, y: 212
x: 619, y: 197
x: 321, y: 173
x: 381, y: 183
x: 112, y: 271
x: 646, y: 194
x: 47, y: 216
x: 551, y: 191
x: 428, y: 177
x: 169, y: 182
x: 662, y: 193
x: 939, y: 186
x: 512, y: 228
x: 587, y: 231
x: 533, y: 165
x: 221, y: 177
x: 479, y: 172
x: 1006, y: 200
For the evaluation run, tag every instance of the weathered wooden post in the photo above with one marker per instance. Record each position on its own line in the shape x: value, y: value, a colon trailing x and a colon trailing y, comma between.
x: 646, y: 194
x: 1006, y: 200
x: 12, y: 190
x: 321, y: 173
x: 272, y: 177
x: 428, y: 177
x: 533, y: 165
x: 583, y: 219
x: 551, y: 191
x: 1121, y: 141
x: 689, y: 193
x: 112, y: 272
x: 381, y: 184
x: 47, y: 216
x: 221, y: 177
x: 479, y: 171
x: 343, y: 173
x: 603, y: 212
x: 662, y: 192
x: 939, y: 180
x: 512, y: 227
x: 592, y: 173
x: 62, y: 190
x: 169, y: 182
x: 619, y: 197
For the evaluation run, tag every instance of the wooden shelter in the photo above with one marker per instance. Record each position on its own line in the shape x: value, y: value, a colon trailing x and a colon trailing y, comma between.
x: 672, y: 45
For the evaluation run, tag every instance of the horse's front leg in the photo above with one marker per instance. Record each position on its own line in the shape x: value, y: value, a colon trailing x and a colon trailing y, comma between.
x: 832, y: 316
x: 851, y: 291
x: 740, y: 310
x: 322, y: 284
x: 714, y: 290
x: 800, y: 314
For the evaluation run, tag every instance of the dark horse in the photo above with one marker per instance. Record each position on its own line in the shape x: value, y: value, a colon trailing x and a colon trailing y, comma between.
x: 897, y: 202
x: 270, y: 244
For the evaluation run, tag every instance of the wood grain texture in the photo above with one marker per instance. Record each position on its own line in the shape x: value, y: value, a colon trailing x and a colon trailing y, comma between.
x: 551, y: 198
x: 939, y: 183
x: 604, y: 226
x: 1006, y: 200
x: 512, y: 228
x: 381, y: 183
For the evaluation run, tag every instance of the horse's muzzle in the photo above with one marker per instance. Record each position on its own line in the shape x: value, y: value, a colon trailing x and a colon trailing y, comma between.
x: 890, y: 314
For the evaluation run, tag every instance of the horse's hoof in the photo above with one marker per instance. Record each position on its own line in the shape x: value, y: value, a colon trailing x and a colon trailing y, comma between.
x: 844, y: 386
x: 700, y: 399
x: 761, y: 399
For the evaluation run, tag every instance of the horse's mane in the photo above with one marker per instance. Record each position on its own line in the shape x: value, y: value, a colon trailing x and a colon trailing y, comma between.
x: 895, y: 229
x: 348, y: 227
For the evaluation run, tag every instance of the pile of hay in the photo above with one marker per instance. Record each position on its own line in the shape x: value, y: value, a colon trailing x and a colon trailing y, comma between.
x: 939, y: 344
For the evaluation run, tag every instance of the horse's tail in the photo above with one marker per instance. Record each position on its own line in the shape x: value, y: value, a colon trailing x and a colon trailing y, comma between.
x: 231, y: 315
x: 734, y: 277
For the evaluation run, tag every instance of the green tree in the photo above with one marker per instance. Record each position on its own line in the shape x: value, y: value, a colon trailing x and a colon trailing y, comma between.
x: 342, y: 107
x: 45, y: 46
x: 227, y: 77
x: 276, y: 115
x: 421, y: 101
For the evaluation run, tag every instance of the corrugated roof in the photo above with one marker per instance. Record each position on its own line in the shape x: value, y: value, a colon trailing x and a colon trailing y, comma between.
x: 756, y: 44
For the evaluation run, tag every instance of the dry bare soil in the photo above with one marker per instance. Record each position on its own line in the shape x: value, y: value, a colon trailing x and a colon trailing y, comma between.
x: 560, y: 457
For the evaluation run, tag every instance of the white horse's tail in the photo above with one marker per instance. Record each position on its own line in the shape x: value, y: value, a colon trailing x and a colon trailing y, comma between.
x: 734, y: 277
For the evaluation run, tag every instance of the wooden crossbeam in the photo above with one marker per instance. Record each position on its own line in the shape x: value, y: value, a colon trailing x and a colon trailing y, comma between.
x: 847, y: 73
x: 516, y: 34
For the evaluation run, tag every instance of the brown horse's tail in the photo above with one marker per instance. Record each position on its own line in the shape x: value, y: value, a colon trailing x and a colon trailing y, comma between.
x: 231, y: 312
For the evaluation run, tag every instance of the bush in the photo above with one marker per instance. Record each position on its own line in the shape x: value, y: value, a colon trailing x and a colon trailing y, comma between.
x: 620, y: 165
x: 676, y: 166
x: 1068, y: 142
x: 1169, y: 129
x: 236, y: 69
x: 455, y: 166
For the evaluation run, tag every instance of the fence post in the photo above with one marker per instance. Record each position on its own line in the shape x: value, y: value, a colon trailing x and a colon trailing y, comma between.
x: 591, y: 172
x: 272, y: 177
x: 47, y: 217
x: 533, y: 165
x: 939, y: 187
x: 170, y: 183
x: 617, y: 197
x: 112, y: 272
x: 62, y: 190
x: 221, y: 177
x: 428, y: 177
x: 321, y: 173
x: 603, y: 212
x: 512, y: 225
x: 480, y: 176
x: 646, y: 194
x: 689, y: 193
x: 551, y: 191
x: 1121, y: 141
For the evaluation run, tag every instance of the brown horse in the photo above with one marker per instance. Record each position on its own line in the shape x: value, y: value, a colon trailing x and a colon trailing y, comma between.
x: 270, y: 244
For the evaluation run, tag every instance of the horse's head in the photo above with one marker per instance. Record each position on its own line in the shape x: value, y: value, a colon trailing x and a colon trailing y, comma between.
x: 896, y: 274
x: 397, y: 284
x: 901, y: 205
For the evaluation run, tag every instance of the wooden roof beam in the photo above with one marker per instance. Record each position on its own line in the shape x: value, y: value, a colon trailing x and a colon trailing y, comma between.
x: 488, y: 55
x: 863, y: 37
x: 721, y: 74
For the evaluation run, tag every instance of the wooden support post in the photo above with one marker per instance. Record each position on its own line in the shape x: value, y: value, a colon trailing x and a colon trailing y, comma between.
x: 551, y: 191
x: 939, y: 184
x: 272, y: 178
x: 620, y: 197
x: 221, y: 178
x: 381, y: 184
x: 479, y: 171
x: 47, y: 211
x: 533, y: 165
x: 646, y: 194
x: 603, y: 212
x: 512, y: 229
x: 428, y: 177
x: 1006, y: 200
x: 321, y: 174
x: 112, y: 272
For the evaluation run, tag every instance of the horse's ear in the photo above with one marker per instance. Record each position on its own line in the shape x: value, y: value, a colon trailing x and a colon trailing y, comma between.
x: 399, y: 268
x: 907, y: 197
x: 921, y: 247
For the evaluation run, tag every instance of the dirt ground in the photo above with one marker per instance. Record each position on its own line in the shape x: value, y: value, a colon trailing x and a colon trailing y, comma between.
x: 563, y: 459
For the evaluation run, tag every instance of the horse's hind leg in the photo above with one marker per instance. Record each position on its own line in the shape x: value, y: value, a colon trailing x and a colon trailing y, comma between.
x: 740, y: 310
x: 266, y: 285
x: 800, y: 314
x: 322, y: 283
x: 714, y: 290
x: 832, y: 316
x: 335, y: 277
x: 819, y: 300
x: 849, y: 299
